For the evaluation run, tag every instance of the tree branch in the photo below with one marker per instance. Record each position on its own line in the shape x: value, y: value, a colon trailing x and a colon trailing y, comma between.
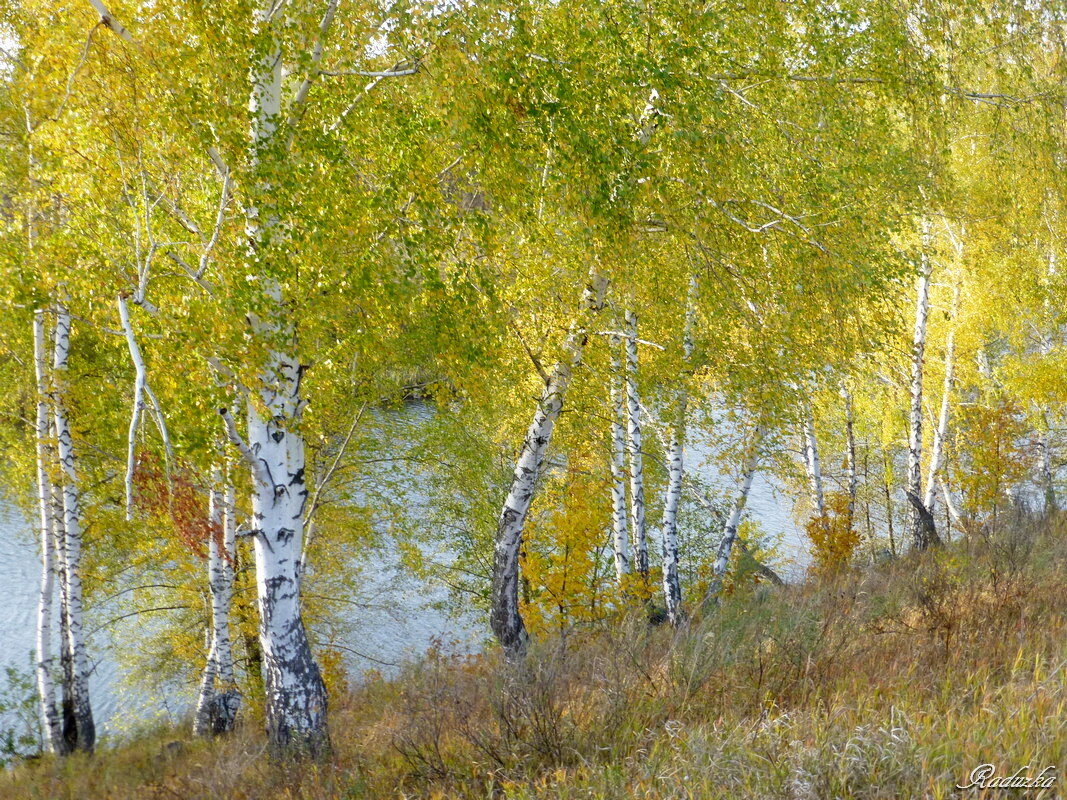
x: 301, y: 96
x: 246, y: 452
x: 108, y: 19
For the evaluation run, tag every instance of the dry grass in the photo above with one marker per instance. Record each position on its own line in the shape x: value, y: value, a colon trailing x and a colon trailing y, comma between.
x: 891, y: 683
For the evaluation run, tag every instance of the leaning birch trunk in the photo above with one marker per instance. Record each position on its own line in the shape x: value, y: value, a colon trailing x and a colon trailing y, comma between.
x: 937, y: 446
x: 729, y: 535
x: 216, y: 707
x: 504, y: 616
x: 619, y: 528
x: 141, y: 389
x: 950, y: 504
x: 51, y: 725
x: 83, y: 712
x: 295, y: 693
x: 913, y: 485
x: 672, y: 586
x: 637, y: 465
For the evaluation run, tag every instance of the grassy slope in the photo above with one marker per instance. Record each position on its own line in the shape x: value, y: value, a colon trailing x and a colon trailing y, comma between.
x: 892, y: 683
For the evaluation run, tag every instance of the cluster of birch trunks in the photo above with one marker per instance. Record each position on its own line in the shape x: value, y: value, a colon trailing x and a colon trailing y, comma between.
x: 628, y: 523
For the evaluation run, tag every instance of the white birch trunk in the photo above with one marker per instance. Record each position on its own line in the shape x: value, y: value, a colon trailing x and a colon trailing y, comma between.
x: 672, y: 586
x: 950, y: 504
x: 814, y: 469
x: 729, y: 535
x: 937, y: 445
x: 216, y: 708
x: 619, y: 522
x: 51, y: 724
x: 295, y: 692
x: 66, y: 658
x: 83, y: 713
x: 504, y: 616
x: 637, y: 464
x: 850, y: 446
x: 138, y: 403
x: 913, y: 481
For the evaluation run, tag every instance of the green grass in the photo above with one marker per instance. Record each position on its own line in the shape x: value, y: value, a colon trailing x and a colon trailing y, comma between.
x: 892, y: 682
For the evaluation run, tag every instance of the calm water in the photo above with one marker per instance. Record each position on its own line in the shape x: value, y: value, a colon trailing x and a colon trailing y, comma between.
x: 397, y: 618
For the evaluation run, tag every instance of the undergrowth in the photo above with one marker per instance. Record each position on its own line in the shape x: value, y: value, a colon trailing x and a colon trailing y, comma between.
x: 888, y: 682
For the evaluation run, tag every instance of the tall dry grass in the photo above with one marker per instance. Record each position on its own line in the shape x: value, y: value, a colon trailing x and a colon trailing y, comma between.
x: 892, y: 682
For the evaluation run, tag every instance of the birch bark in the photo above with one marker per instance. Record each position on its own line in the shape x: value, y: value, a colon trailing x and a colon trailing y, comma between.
x: 850, y: 445
x: 66, y: 657
x: 729, y: 535
x: 138, y: 403
x: 52, y: 727
x: 937, y: 445
x: 504, y: 616
x: 637, y: 464
x: 619, y: 521
x: 921, y: 533
x: 814, y: 469
x: 295, y: 692
x: 79, y: 685
x: 216, y: 709
x: 672, y: 586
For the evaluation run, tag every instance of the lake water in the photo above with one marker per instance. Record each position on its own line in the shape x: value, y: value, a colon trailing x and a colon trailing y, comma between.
x: 399, y: 616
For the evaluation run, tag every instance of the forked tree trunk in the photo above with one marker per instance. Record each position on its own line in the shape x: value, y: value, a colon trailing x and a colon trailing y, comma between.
x: 729, y: 534
x: 620, y: 536
x: 51, y: 725
x: 633, y: 446
x: 219, y: 699
x: 672, y: 585
x: 83, y: 712
x: 937, y: 446
x: 504, y: 616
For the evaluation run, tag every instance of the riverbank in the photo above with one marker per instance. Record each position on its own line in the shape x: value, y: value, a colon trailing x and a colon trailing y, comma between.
x: 893, y: 682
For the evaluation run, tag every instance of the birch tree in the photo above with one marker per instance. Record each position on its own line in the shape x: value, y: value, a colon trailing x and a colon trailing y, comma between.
x: 296, y: 694
x: 52, y: 725
x: 72, y: 542
x: 505, y: 618
x: 219, y: 699
x: 633, y: 450
x: 729, y: 534
x: 672, y: 587
x: 619, y: 520
x: 923, y: 534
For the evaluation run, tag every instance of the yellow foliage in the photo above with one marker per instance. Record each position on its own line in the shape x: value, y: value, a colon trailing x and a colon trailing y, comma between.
x: 991, y: 460
x: 567, y: 577
x: 833, y: 538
